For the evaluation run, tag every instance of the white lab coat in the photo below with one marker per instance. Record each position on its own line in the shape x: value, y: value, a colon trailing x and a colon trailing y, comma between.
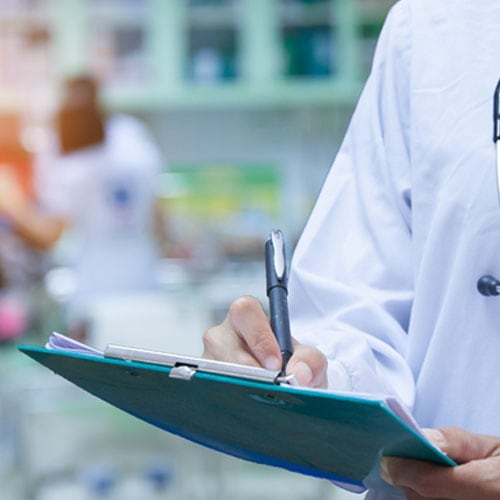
x: 384, y: 276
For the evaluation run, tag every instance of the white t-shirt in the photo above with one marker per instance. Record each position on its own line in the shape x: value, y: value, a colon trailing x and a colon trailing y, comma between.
x: 108, y: 192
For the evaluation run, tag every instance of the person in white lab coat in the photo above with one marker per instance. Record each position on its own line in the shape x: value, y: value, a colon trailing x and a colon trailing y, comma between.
x: 383, y: 288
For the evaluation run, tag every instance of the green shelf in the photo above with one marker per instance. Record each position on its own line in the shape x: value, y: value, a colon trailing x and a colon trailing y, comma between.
x: 160, y: 55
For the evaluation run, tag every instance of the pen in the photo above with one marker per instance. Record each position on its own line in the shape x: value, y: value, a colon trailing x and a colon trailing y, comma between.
x: 276, y: 288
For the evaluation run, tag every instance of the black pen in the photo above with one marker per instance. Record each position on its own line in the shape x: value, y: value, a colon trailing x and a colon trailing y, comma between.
x: 276, y: 288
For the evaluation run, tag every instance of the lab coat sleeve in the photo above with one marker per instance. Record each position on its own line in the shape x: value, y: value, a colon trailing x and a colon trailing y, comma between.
x: 351, y: 274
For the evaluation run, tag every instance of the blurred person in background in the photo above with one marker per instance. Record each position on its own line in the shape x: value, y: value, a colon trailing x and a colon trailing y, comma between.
x: 26, y: 235
x: 101, y: 178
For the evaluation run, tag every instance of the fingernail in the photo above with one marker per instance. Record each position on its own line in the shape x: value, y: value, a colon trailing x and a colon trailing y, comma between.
x: 303, y: 373
x: 384, y: 471
x: 435, y: 436
x: 272, y: 363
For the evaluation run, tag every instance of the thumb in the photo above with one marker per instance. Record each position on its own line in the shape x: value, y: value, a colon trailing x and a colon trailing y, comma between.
x: 463, y: 446
x: 309, y: 366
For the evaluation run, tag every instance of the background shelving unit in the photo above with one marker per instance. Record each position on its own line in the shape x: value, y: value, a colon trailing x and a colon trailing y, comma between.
x: 308, y: 38
x: 213, y: 42
x: 26, y: 49
x: 118, y: 49
x: 156, y: 54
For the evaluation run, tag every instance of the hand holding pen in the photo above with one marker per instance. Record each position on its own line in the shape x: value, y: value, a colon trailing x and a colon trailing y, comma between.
x: 246, y: 337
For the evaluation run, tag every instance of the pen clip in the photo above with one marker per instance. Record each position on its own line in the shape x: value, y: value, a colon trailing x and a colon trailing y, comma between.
x: 278, y: 254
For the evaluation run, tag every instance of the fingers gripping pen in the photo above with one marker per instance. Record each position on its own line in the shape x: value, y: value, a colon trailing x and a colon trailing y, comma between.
x: 276, y: 287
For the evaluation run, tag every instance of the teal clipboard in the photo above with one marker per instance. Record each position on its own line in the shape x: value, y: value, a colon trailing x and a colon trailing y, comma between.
x: 318, y: 433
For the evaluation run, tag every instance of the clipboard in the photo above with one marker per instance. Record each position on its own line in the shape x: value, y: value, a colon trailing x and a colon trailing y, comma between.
x: 339, y: 437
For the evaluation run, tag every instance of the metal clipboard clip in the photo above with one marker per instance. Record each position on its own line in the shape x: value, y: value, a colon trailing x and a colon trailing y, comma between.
x: 185, y: 367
